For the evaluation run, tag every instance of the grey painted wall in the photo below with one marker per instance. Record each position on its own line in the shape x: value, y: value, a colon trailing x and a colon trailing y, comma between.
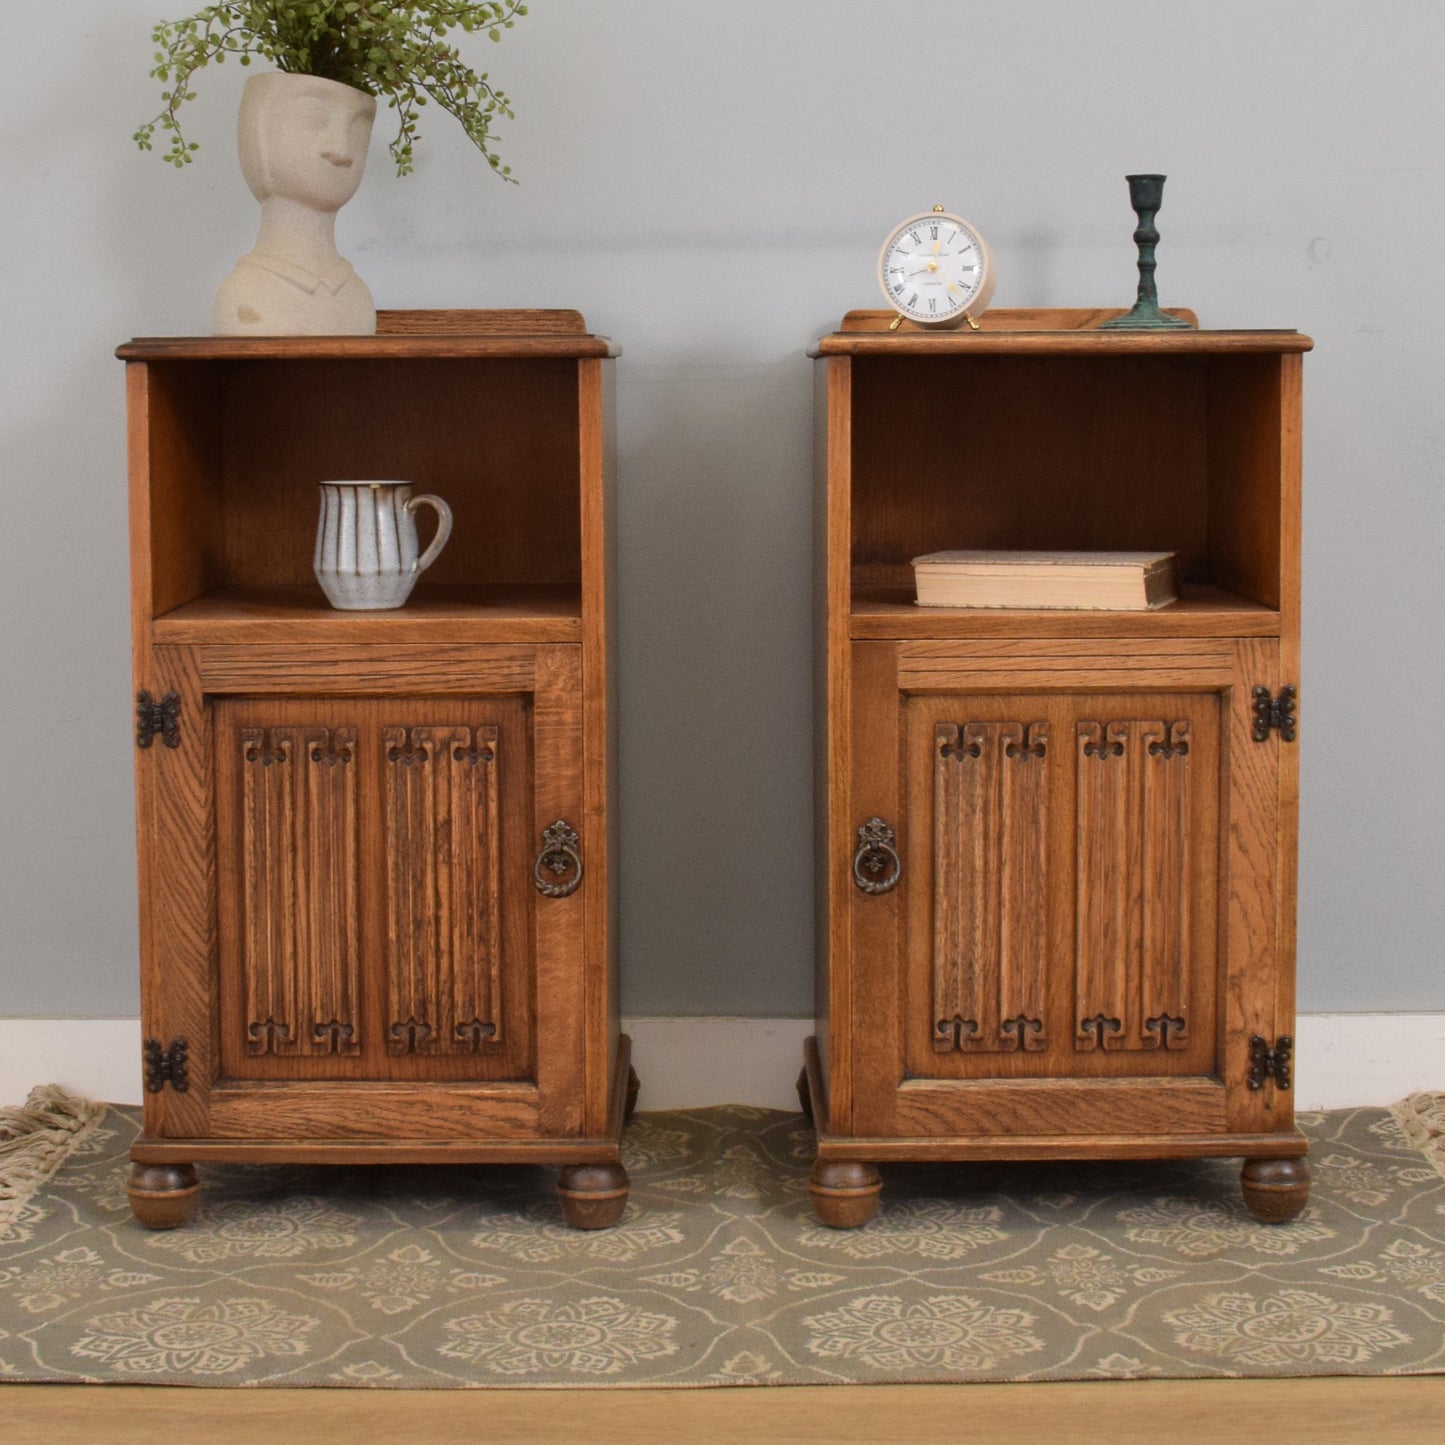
x: 709, y: 184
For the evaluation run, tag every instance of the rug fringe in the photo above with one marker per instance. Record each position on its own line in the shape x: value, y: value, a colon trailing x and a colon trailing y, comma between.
x: 36, y: 1138
x: 1422, y: 1117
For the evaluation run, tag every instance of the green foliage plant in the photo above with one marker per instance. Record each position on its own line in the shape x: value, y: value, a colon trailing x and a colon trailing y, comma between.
x: 397, y: 50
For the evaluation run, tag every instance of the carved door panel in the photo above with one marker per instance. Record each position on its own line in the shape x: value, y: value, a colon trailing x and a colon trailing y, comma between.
x: 354, y: 883
x: 1062, y: 950
x: 368, y: 925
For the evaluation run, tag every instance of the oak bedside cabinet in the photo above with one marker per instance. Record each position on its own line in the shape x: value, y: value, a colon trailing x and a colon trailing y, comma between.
x: 1056, y: 849
x: 376, y: 849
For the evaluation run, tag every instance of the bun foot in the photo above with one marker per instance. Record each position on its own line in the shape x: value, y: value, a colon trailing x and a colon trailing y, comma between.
x: 593, y: 1195
x: 805, y: 1099
x: 845, y: 1192
x: 162, y: 1196
x: 1275, y: 1190
x: 634, y: 1087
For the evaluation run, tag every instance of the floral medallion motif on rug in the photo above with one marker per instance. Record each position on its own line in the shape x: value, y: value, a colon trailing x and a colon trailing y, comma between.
x: 719, y: 1274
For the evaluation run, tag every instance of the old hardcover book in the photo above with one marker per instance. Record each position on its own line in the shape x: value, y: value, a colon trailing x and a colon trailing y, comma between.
x: 1123, y: 581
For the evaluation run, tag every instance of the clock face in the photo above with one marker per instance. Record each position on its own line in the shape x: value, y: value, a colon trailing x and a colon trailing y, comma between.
x: 935, y: 270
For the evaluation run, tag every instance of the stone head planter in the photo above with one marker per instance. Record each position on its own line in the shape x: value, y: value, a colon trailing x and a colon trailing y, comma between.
x: 303, y: 143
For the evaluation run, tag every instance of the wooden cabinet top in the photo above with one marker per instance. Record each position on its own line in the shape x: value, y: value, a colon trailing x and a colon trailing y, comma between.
x: 1055, y: 331
x: 420, y: 335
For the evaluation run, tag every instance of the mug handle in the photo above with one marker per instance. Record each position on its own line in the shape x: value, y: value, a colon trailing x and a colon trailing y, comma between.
x: 444, y: 529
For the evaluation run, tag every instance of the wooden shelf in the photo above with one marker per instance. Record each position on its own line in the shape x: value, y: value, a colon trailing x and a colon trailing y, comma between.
x: 364, y: 348
x: 881, y: 613
x: 410, y: 335
x: 1045, y: 333
x: 519, y: 613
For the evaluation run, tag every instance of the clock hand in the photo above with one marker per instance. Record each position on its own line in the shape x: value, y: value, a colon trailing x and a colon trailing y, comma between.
x: 958, y: 290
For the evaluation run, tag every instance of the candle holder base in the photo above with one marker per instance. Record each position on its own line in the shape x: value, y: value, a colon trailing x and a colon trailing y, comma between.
x: 1146, y: 318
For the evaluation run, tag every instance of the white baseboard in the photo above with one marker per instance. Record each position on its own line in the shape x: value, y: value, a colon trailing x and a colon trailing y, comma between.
x: 1341, y: 1060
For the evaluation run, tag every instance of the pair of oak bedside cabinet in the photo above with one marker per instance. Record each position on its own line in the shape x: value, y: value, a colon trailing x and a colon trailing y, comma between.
x: 1055, y: 851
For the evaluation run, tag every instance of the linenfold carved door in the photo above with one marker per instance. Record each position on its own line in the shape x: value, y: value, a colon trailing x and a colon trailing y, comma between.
x: 1063, y: 952
x: 368, y: 915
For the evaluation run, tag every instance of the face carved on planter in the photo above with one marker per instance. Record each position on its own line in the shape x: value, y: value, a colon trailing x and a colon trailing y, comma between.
x: 303, y: 143
x: 306, y: 142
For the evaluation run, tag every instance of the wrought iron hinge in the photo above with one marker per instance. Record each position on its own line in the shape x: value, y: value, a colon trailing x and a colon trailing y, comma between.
x: 1275, y: 713
x: 152, y: 717
x: 166, y: 1066
x: 1269, y: 1063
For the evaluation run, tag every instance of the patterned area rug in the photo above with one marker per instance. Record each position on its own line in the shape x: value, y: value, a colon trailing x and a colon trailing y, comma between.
x: 718, y: 1274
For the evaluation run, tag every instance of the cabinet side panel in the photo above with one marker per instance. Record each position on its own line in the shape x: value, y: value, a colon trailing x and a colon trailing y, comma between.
x: 178, y: 972
x: 832, y: 450
x: 597, y: 474
x: 563, y: 1078
x: 1250, y: 922
x: 183, y: 507
x: 1290, y: 500
x: 875, y: 934
x: 1244, y: 456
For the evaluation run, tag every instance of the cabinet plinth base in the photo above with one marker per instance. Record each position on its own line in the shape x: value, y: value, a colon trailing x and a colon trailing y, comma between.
x: 593, y: 1195
x: 1275, y: 1190
x: 845, y: 1192
x: 163, y: 1185
x: 162, y: 1196
x: 1275, y: 1179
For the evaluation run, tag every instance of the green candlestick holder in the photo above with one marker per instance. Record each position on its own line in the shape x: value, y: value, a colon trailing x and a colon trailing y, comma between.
x: 1146, y: 195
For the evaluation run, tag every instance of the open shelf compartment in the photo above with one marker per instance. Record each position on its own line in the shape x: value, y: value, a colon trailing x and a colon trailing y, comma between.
x: 236, y: 448
x: 1129, y: 450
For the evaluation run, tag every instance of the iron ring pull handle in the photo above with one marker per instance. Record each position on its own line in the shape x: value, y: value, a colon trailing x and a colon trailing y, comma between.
x: 559, y: 855
x: 876, y: 865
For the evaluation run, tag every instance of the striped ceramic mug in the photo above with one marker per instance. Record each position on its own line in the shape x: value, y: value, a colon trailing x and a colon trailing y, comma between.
x: 366, y: 544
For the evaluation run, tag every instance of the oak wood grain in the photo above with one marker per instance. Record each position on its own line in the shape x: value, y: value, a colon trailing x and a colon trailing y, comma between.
x: 1002, y: 318
x: 317, y: 898
x: 178, y: 970
x: 520, y: 612
x: 1203, y: 610
x: 345, y: 669
x: 832, y: 801
x: 1164, y: 892
x: 1142, y: 1107
x: 564, y: 966
x: 597, y: 471
x: 1328, y: 1411
x: 463, y: 322
x: 1044, y: 330
x: 358, y: 1109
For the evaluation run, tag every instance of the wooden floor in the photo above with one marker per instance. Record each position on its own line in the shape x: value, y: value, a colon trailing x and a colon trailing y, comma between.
x: 1161, y: 1412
